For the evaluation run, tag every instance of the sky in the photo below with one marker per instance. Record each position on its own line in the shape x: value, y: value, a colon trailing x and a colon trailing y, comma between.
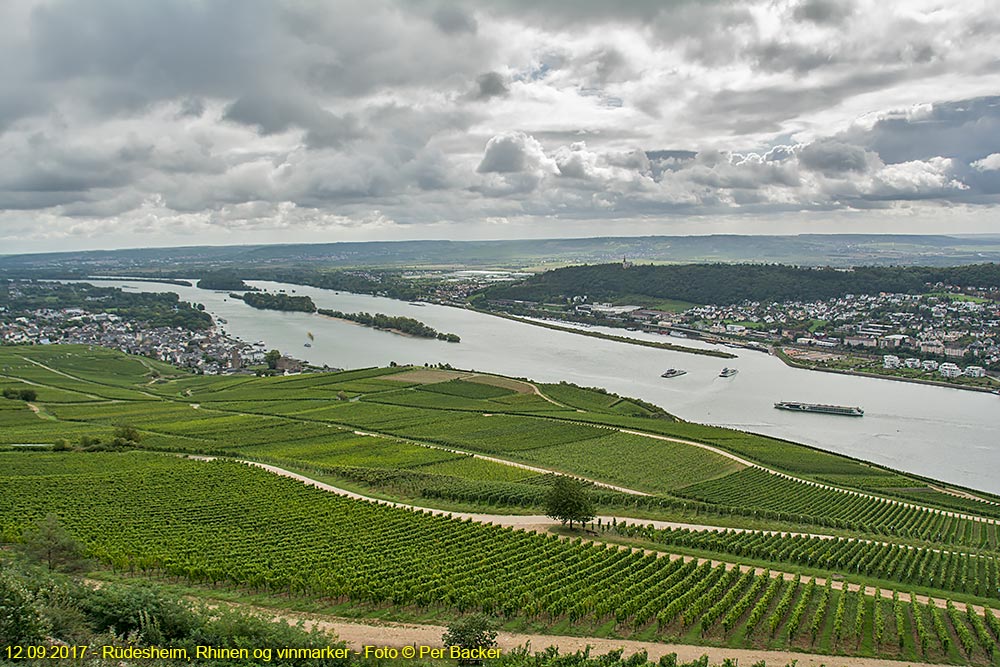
x: 187, y: 122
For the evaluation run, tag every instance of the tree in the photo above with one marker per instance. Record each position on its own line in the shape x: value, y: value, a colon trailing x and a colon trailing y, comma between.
x: 50, y: 544
x: 272, y: 359
x: 473, y: 632
x: 567, y: 500
x: 20, y: 394
x: 126, y: 435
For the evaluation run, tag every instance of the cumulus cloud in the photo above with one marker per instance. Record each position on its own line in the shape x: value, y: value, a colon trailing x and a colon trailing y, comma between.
x: 917, y: 178
x: 989, y: 163
x: 512, y: 152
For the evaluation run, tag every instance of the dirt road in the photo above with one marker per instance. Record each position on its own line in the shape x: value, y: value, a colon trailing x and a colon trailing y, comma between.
x: 359, y: 634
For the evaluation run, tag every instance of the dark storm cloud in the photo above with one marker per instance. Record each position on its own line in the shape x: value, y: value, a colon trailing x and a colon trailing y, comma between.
x: 555, y: 13
x: 272, y: 113
x: 491, y: 84
x: 823, y: 11
x: 963, y: 129
x: 452, y: 19
x: 765, y: 108
x: 775, y: 56
x: 833, y: 157
x: 133, y: 53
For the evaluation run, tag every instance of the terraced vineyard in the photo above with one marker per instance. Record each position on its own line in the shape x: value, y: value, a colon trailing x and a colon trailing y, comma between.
x: 189, y: 519
x: 415, y: 435
x: 947, y: 572
x: 757, y: 489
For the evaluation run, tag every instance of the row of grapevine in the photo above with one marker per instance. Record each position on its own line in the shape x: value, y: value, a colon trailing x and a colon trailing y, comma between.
x: 976, y: 574
x: 765, y: 492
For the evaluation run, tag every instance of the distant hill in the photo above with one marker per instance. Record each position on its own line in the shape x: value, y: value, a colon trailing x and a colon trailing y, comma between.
x: 723, y: 284
x: 840, y: 250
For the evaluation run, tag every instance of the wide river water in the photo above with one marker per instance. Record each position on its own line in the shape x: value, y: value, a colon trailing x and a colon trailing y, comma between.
x: 948, y: 434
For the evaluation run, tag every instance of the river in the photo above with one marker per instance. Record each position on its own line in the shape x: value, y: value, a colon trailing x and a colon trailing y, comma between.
x: 938, y: 432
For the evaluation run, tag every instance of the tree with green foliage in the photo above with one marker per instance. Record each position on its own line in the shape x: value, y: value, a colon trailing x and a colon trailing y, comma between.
x: 20, y: 394
x: 126, y: 435
x: 284, y: 302
x: 51, y: 545
x: 568, y: 501
x: 222, y: 280
x: 473, y: 632
x: 271, y: 358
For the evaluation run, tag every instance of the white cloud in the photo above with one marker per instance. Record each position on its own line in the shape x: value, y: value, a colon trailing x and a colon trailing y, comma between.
x: 989, y: 163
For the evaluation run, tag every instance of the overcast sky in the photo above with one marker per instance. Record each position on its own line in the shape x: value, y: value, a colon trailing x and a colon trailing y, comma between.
x: 129, y: 123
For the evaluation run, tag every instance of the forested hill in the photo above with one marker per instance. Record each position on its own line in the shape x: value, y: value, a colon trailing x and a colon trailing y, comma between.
x: 722, y: 284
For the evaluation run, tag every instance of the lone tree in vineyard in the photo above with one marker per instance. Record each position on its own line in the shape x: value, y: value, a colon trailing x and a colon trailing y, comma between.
x: 51, y: 545
x: 567, y: 500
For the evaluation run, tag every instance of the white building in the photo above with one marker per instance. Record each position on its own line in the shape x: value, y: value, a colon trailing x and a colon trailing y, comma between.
x: 890, y: 361
x: 930, y: 365
x: 975, y: 371
x: 912, y: 362
x: 949, y: 370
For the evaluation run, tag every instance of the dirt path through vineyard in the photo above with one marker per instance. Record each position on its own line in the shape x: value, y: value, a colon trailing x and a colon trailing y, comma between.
x: 360, y: 634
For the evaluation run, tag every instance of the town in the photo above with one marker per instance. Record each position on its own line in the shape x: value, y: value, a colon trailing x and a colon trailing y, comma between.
x: 943, y: 335
x: 138, y: 326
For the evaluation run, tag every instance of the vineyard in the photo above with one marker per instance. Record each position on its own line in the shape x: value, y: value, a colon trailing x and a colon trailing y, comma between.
x: 945, y: 572
x: 309, y: 420
x: 221, y: 523
x: 761, y: 491
x: 410, y: 434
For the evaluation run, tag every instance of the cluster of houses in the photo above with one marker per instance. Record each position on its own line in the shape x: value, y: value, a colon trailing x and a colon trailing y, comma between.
x: 210, y: 352
x: 947, y: 369
x: 955, y: 330
x: 942, y: 331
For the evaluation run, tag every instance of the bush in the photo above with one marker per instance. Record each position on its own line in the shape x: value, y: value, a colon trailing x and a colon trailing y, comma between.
x: 476, y: 631
x: 20, y: 394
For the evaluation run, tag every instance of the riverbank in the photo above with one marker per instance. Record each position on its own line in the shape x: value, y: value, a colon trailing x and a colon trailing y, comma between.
x: 611, y: 337
x: 780, y: 354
